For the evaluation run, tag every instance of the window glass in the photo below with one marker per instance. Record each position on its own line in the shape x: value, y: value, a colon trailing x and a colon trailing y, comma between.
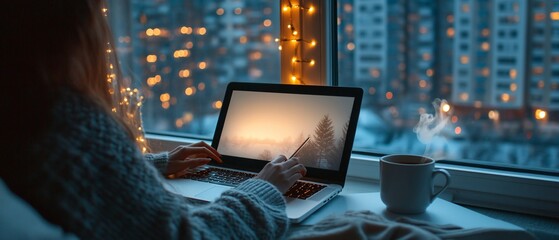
x: 183, y: 54
x: 455, y: 80
x: 451, y: 79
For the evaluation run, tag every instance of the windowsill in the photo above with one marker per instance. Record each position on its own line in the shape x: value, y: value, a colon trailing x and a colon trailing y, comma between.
x: 541, y: 227
x: 494, y: 189
x: 500, y: 194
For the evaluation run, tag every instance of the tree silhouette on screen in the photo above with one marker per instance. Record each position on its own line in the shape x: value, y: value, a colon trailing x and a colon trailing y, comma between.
x: 265, y: 155
x: 336, y: 154
x: 324, y: 140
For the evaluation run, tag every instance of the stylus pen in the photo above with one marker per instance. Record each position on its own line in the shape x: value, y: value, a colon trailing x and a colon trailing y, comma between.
x: 298, y: 149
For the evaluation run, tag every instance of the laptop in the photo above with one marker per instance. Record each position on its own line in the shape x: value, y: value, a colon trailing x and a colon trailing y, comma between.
x: 259, y: 121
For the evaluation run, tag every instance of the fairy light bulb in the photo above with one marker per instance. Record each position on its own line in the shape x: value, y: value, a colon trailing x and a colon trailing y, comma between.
x: 311, y: 10
x: 312, y: 62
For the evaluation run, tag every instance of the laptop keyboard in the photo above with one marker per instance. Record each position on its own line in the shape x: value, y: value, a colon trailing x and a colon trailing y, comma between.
x: 301, y: 190
x: 219, y: 176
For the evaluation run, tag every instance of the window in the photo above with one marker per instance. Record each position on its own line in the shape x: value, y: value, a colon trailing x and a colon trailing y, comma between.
x: 222, y: 41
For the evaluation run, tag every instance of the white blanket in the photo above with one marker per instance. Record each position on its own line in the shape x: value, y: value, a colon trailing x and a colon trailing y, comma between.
x: 368, y: 225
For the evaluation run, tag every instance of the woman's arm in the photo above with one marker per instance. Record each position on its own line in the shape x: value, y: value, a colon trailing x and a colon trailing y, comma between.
x: 89, y: 178
x: 253, y: 210
x: 158, y: 160
x: 176, y: 162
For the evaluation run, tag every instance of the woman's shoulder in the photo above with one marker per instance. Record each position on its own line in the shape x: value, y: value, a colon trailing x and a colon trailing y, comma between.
x: 73, y: 109
x: 79, y: 122
x: 66, y: 101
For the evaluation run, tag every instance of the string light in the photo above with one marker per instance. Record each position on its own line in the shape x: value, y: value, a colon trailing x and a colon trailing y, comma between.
x: 297, y: 11
x: 128, y: 100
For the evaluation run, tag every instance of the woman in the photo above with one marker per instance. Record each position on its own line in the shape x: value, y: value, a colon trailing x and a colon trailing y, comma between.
x: 77, y: 163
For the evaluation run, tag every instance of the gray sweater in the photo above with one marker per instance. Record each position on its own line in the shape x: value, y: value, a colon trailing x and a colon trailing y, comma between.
x: 86, y: 175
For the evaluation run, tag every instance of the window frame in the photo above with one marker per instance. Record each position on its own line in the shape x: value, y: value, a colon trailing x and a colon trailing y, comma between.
x: 527, y: 193
x: 502, y: 189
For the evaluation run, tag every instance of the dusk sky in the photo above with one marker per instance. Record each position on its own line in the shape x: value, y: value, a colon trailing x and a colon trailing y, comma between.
x: 258, y: 121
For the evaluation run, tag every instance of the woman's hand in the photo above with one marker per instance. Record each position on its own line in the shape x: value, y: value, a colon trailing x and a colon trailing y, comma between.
x: 186, y: 157
x: 282, y: 173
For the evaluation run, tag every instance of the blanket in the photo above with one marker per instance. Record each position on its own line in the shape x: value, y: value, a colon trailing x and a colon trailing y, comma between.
x: 368, y: 225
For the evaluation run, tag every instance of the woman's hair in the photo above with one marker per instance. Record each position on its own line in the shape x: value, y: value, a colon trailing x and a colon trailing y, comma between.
x: 65, y: 43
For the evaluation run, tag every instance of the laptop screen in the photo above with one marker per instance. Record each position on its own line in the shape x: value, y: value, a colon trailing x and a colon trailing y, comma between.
x: 314, y: 123
x: 262, y: 125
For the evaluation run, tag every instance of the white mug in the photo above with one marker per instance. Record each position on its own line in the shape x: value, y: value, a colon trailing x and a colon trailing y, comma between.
x: 406, y: 182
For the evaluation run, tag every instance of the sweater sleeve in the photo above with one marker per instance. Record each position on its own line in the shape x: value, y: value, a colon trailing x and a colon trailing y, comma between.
x: 90, y: 179
x: 158, y: 160
x: 236, y: 211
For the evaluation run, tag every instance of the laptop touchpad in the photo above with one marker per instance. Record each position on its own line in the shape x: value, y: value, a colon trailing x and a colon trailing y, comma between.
x: 212, y: 193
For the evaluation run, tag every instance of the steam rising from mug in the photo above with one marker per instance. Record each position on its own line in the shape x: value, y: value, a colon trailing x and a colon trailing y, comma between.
x: 429, y: 126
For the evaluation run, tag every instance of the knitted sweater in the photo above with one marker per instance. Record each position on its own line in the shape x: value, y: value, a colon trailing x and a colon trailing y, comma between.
x: 87, y: 176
